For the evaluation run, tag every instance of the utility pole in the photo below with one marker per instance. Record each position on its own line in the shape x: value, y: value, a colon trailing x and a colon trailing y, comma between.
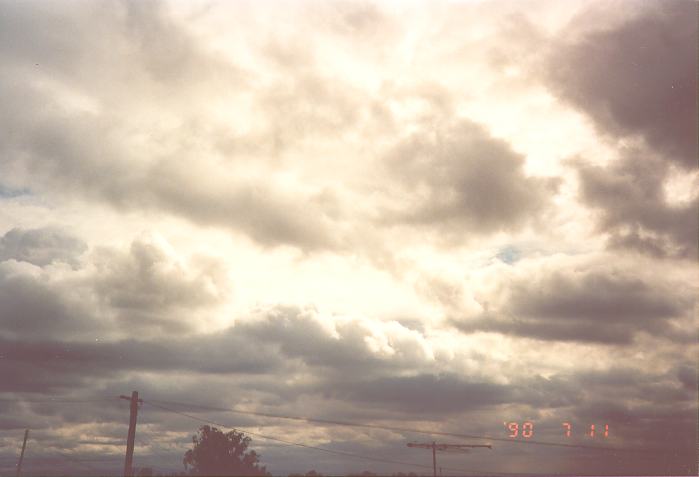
x: 21, y: 455
x: 128, y: 462
x: 434, y: 459
x: 444, y: 447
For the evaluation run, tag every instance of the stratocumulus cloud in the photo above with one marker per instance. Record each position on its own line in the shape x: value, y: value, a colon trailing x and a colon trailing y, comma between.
x: 446, y: 217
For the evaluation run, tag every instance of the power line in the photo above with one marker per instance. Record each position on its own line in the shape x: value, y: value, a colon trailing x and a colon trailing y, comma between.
x: 57, y: 401
x: 63, y: 400
x: 406, y: 429
x: 290, y: 443
x: 444, y: 447
x: 321, y: 449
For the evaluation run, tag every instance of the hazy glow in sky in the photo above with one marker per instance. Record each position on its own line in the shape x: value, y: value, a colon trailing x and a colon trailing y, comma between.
x: 444, y: 215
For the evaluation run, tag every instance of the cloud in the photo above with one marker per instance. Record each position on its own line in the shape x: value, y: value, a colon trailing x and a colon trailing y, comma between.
x: 687, y: 374
x: 36, y: 305
x: 150, y: 288
x: 282, y: 336
x: 169, y: 53
x: 361, y: 142
x: 633, y: 74
x: 113, y: 293
x: 156, y: 52
x: 423, y: 394
x: 53, y: 366
x: 633, y: 209
x: 340, y: 346
x: 458, y: 178
x: 63, y: 161
x: 594, y: 304
x: 70, y: 141
x: 637, y: 78
x: 273, y: 372
x: 40, y: 246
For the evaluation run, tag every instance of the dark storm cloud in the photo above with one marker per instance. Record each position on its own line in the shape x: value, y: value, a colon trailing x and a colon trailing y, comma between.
x: 633, y: 210
x: 609, y: 298
x: 687, y: 374
x: 460, y: 178
x: 53, y: 365
x: 32, y: 305
x: 662, y: 425
x: 598, y: 306
x: 666, y: 388
x: 637, y: 78
x: 256, y: 360
x: 288, y: 341
x: 639, y: 405
x: 284, y: 337
x: 425, y: 394
x: 48, y: 365
x: 40, y: 246
x: 644, y: 409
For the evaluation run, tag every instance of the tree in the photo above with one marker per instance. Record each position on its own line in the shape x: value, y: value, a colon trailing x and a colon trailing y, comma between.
x: 216, y: 453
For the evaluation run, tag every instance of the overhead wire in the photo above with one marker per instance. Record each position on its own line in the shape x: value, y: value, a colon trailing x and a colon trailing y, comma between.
x: 404, y: 429
x: 320, y: 449
x: 156, y: 402
x: 58, y: 400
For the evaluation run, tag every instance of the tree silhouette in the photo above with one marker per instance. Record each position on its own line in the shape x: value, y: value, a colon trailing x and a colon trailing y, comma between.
x: 216, y: 453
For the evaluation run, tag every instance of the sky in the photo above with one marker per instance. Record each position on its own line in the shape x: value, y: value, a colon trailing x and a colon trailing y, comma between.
x: 438, y: 216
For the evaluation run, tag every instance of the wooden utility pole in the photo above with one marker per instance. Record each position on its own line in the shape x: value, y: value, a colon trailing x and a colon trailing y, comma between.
x: 443, y: 447
x: 21, y: 454
x: 131, y: 438
x: 434, y: 459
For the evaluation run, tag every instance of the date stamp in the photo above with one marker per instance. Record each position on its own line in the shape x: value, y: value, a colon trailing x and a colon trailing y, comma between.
x: 525, y: 430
